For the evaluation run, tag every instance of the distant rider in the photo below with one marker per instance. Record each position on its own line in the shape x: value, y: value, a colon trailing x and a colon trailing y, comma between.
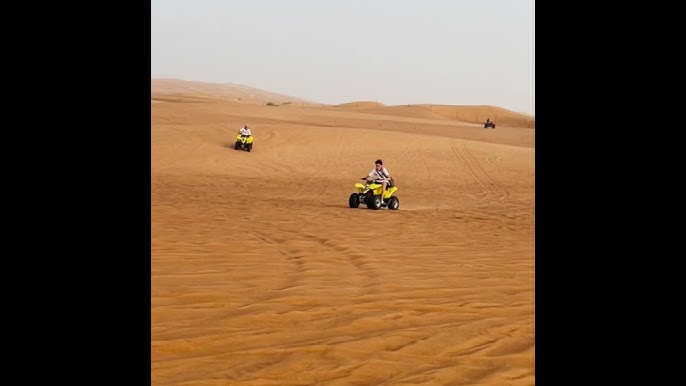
x: 245, y: 131
x: 380, y: 175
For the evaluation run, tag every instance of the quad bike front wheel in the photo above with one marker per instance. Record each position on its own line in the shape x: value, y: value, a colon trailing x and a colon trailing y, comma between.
x: 237, y: 145
x: 393, y: 203
x: 354, y: 200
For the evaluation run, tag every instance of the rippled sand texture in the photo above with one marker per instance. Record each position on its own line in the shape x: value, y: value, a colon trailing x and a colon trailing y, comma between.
x: 262, y: 274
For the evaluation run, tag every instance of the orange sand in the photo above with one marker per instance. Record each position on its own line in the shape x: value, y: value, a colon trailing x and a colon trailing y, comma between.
x: 262, y: 274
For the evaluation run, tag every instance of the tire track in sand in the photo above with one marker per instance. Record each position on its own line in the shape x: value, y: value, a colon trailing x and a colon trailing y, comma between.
x: 369, y: 277
x: 357, y: 259
x: 494, y: 186
x: 462, y: 155
x: 415, y: 157
x: 297, y: 263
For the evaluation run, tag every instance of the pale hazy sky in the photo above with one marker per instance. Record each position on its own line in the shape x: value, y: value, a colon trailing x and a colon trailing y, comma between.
x: 460, y: 52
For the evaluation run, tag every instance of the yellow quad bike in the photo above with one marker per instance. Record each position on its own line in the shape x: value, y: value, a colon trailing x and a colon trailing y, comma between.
x: 243, y: 142
x: 369, y: 194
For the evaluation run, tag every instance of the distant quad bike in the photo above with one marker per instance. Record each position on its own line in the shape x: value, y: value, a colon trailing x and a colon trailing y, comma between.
x: 490, y: 124
x: 369, y: 194
x: 243, y: 142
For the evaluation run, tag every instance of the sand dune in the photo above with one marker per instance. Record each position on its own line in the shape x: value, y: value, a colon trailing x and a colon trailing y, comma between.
x: 262, y: 274
x: 360, y: 105
x: 175, y: 90
x: 178, y: 90
x: 478, y: 114
x: 467, y: 114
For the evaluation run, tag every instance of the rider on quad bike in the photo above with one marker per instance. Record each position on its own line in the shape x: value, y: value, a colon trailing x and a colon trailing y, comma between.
x: 380, y: 175
x: 244, y: 139
x: 377, y: 192
x: 244, y: 131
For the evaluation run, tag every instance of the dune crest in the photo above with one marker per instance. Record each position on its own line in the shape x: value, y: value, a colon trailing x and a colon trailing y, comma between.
x: 361, y: 105
x: 479, y: 113
x: 224, y: 91
x: 175, y: 90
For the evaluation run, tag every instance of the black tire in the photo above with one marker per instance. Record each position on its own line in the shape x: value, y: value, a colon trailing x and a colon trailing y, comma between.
x: 237, y: 145
x: 354, y: 200
x: 393, y: 203
x: 249, y: 146
x: 374, y: 202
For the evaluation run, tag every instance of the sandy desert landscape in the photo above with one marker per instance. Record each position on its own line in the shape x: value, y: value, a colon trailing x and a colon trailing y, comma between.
x: 263, y: 275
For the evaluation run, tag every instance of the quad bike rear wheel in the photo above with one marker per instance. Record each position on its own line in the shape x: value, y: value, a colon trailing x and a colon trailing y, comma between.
x: 393, y: 203
x: 374, y: 202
